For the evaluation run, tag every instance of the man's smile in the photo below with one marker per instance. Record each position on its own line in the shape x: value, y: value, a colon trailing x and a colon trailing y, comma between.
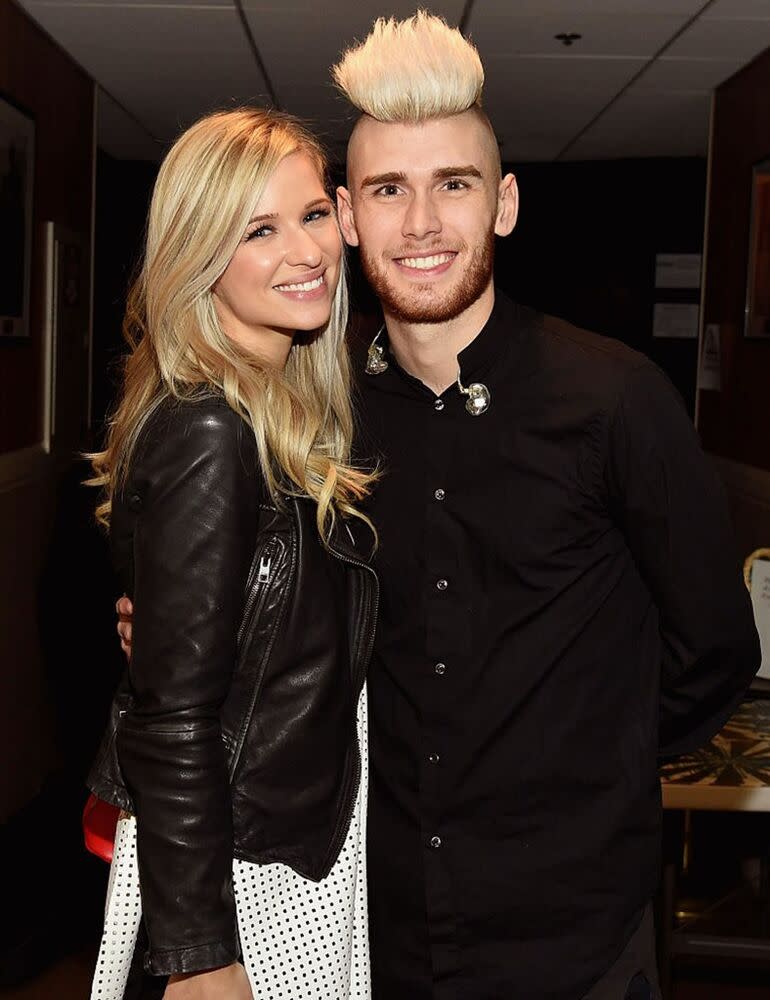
x: 426, y: 264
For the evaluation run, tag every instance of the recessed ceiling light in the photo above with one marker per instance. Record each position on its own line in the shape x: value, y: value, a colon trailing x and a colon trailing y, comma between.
x: 568, y: 37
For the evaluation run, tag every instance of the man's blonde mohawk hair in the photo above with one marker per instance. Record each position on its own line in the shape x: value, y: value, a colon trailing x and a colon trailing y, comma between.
x: 411, y: 71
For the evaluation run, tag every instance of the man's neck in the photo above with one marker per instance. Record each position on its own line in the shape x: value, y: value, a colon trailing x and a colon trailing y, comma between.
x: 429, y: 350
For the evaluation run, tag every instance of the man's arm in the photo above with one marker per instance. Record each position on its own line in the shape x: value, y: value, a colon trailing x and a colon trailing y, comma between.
x: 671, y: 507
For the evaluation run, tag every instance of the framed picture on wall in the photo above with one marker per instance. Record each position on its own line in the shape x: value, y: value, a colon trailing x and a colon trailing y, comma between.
x: 758, y: 281
x: 17, y: 157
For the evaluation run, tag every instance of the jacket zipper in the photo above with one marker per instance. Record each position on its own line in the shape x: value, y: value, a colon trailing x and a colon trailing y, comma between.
x: 260, y: 578
x: 257, y: 585
x: 374, y: 608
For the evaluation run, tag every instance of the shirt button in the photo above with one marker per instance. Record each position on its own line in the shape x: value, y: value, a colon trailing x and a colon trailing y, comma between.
x: 434, y: 758
x: 441, y: 584
x: 440, y: 668
x: 439, y: 494
x: 439, y: 404
x: 435, y: 842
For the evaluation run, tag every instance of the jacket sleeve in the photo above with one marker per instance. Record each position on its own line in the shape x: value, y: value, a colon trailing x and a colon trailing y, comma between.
x: 673, y: 513
x: 195, y: 532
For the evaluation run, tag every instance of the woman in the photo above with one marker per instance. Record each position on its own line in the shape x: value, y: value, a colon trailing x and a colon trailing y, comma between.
x: 234, y: 741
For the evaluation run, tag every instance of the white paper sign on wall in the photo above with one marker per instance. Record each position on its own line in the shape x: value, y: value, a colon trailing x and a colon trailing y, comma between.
x: 760, y: 598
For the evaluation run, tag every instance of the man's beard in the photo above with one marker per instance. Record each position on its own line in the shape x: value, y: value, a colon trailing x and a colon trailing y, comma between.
x: 421, y: 304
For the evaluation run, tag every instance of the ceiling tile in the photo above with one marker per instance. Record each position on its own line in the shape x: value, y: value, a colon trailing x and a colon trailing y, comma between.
x: 168, y: 61
x: 126, y: 50
x: 537, y: 104
x: 280, y: 46
x: 641, y: 124
x: 597, y: 7
x: 121, y: 135
x: 542, y: 78
x: 351, y: 22
x: 497, y: 31
x: 734, y: 40
x: 532, y: 148
x: 326, y: 111
x: 114, y: 4
x: 666, y: 75
x: 737, y: 9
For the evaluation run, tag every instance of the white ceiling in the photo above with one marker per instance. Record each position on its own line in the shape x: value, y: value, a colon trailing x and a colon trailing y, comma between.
x: 637, y: 83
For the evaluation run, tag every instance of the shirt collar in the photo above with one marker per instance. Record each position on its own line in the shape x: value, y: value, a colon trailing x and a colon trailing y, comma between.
x: 483, y: 352
x: 492, y: 341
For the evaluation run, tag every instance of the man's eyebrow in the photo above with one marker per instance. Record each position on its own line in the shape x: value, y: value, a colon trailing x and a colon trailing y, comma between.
x: 393, y: 177
x: 443, y: 173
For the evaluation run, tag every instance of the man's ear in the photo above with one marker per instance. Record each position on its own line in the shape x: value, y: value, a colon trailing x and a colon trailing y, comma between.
x: 507, y: 206
x: 346, y: 217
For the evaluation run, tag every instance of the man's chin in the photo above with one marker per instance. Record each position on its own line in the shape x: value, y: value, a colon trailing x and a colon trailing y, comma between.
x: 434, y: 301
x: 421, y: 305
x: 424, y: 303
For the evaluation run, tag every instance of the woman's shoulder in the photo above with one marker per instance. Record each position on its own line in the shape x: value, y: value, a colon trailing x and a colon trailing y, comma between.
x: 203, y: 429
x: 175, y: 421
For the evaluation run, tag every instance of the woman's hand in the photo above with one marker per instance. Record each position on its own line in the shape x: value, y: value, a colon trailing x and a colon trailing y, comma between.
x: 227, y: 983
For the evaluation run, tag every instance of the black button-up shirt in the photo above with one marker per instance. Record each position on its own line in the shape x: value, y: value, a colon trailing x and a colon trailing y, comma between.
x: 560, y: 600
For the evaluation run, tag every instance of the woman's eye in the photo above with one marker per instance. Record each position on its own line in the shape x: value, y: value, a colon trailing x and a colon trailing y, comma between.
x: 259, y: 232
x: 318, y: 213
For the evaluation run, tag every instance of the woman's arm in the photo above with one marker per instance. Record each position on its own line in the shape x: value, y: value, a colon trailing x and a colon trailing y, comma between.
x: 194, y: 487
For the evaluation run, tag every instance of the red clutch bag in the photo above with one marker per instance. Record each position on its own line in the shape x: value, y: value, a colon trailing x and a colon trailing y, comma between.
x: 100, y: 819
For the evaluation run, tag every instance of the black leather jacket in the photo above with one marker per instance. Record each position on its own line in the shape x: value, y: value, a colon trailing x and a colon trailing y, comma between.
x: 234, y: 732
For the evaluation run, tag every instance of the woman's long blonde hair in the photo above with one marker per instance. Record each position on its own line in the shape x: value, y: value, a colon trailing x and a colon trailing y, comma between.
x: 204, y: 196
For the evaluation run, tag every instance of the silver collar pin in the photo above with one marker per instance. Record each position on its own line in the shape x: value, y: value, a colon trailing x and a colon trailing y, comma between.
x: 375, y: 357
x: 479, y: 397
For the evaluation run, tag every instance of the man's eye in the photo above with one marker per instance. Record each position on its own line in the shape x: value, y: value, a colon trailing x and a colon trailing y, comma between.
x: 455, y: 184
x: 388, y: 190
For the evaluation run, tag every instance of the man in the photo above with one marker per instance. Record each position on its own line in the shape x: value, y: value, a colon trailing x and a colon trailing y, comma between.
x: 559, y: 596
x: 557, y: 576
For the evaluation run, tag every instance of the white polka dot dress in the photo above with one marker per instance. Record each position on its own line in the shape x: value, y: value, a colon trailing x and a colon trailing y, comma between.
x: 300, y: 940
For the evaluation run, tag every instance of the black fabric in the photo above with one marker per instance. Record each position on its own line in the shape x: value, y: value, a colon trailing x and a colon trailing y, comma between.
x: 570, y: 592
x: 639, y: 988
x: 633, y: 975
